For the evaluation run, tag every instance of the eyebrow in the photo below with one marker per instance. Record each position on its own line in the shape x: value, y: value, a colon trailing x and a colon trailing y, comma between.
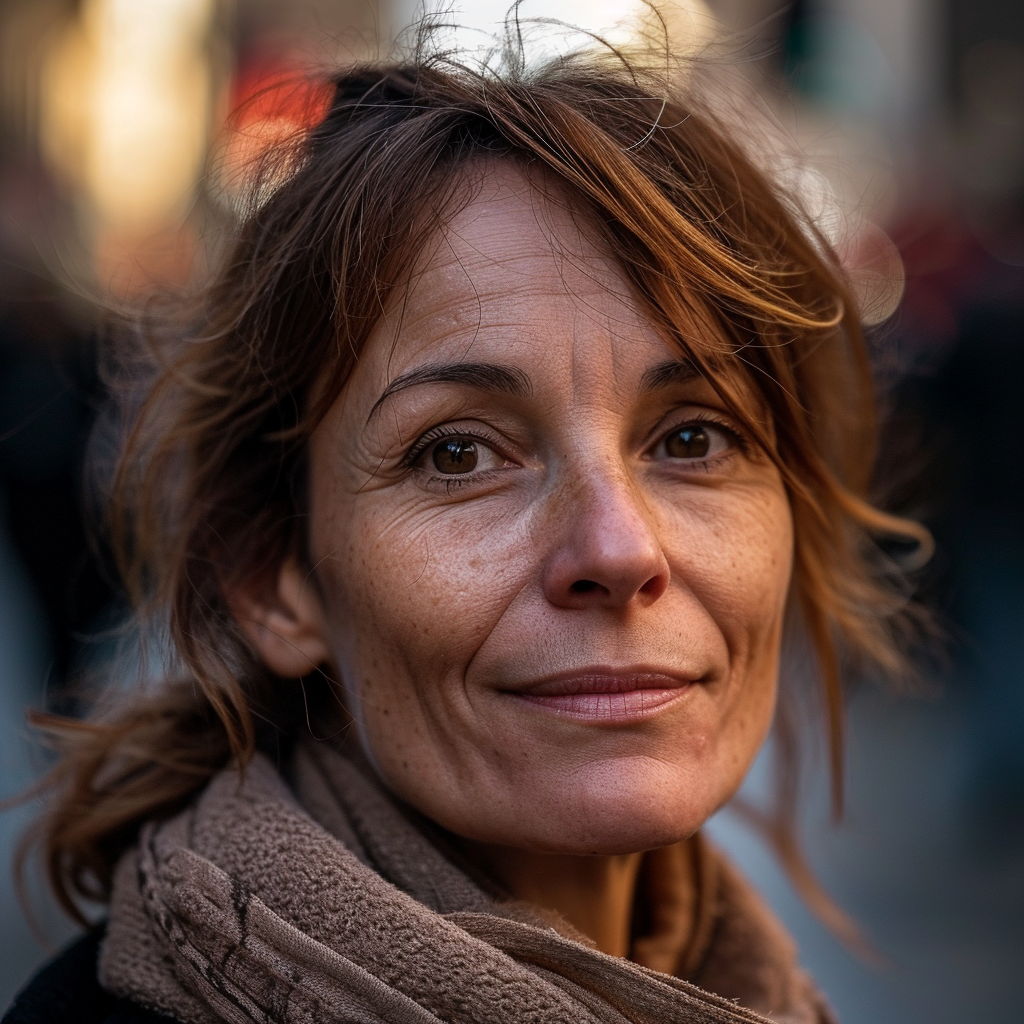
x: 482, y: 376
x: 668, y: 374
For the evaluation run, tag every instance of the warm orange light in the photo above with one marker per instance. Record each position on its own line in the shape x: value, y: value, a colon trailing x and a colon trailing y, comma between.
x: 271, y: 103
x: 126, y: 109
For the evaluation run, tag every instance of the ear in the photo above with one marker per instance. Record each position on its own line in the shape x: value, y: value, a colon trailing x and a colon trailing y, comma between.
x: 284, y: 621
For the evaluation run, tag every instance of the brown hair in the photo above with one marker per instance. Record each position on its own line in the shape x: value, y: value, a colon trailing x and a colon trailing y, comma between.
x: 209, y: 486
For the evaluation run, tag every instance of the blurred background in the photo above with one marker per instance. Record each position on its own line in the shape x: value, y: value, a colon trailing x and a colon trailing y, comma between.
x: 114, y: 155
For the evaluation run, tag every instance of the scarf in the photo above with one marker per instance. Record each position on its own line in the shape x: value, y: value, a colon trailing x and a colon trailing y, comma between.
x: 324, y: 900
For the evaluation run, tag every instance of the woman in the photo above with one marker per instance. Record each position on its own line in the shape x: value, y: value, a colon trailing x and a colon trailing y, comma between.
x: 520, y: 422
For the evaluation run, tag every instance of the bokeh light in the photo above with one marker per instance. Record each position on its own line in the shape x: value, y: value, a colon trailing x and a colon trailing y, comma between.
x: 127, y: 103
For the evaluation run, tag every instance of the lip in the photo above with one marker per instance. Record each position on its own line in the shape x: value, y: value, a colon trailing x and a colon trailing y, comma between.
x: 608, y: 696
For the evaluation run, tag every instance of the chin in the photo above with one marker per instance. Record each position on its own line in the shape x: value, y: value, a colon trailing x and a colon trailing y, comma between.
x: 613, y: 810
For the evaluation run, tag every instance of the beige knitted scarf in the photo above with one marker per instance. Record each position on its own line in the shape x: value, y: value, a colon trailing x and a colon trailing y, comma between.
x: 323, y: 900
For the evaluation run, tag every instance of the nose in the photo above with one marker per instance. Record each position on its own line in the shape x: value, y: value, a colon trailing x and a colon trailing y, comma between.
x: 607, y: 553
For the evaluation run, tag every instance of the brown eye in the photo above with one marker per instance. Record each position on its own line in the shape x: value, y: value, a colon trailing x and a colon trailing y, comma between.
x: 456, y: 455
x: 689, y: 442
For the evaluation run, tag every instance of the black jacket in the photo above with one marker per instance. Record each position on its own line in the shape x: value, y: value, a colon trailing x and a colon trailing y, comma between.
x: 66, y: 991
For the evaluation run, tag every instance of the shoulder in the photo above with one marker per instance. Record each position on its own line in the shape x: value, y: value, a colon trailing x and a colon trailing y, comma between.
x: 66, y: 991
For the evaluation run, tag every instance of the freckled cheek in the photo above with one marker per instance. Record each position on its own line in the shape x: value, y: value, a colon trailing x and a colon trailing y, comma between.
x: 423, y: 591
x: 737, y: 557
x: 735, y: 554
x: 759, y: 591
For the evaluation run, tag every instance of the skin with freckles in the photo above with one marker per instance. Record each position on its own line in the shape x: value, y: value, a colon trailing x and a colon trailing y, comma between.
x: 551, y: 569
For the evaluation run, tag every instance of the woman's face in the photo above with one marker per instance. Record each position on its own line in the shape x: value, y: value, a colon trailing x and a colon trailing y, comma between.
x: 552, y: 569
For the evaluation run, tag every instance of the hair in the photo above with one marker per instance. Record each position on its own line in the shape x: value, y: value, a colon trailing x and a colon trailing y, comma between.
x: 209, y: 486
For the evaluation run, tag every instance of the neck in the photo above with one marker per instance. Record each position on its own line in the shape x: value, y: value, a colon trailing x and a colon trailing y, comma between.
x: 594, y: 894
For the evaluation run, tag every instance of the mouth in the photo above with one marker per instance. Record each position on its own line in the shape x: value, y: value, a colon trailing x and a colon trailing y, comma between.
x: 606, y: 695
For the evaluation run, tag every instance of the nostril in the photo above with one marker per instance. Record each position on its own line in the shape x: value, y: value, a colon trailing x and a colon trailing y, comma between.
x: 584, y: 586
x: 654, y: 586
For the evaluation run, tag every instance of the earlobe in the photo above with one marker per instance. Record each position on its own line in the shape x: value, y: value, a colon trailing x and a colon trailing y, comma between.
x: 284, y: 621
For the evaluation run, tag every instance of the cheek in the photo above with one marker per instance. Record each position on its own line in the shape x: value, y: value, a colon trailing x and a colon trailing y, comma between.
x: 412, y: 596
x: 748, y: 601
x: 734, y: 551
x: 737, y: 557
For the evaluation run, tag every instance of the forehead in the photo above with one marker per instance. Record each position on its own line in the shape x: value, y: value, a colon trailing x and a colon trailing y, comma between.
x: 518, y: 273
